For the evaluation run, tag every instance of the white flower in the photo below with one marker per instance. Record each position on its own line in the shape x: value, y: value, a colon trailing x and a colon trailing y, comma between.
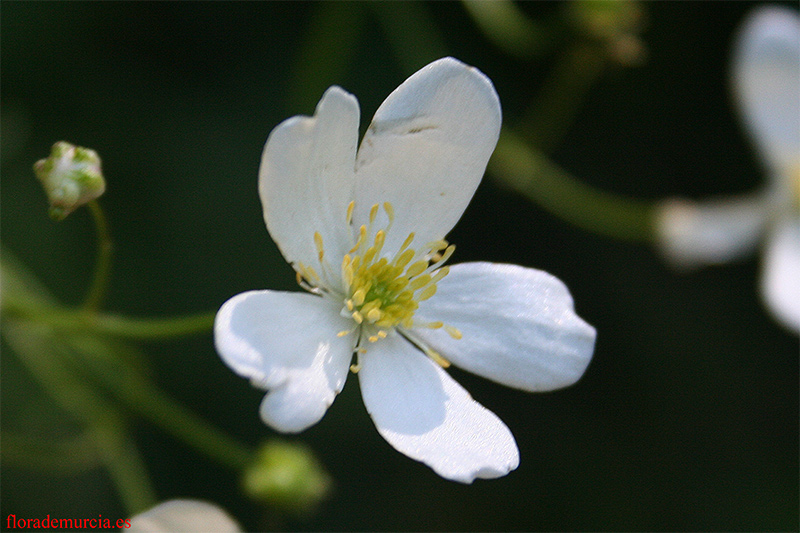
x: 364, y: 232
x: 766, y: 82
x: 175, y: 516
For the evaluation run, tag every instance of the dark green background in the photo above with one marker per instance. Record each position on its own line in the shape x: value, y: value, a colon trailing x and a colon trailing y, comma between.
x: 687, y: 418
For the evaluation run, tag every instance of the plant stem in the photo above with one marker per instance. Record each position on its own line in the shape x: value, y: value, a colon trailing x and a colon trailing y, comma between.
x: 43, y: 355
x: 553, y: 111
x: 106, y: 324
x: 530, y: 173
x: 65, y: 455
x: 144, y: 398
x: 509, y: 28
x: 102, y: 270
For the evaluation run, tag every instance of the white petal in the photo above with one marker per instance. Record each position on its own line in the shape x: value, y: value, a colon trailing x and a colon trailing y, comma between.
x: 177, y: 516
x: 692, y: 234
x: 766, y: 80
x: 421, y: 411
x: 518, y: 326
x: 781, y: 278
x: 427, y: 149
x: 287, y: 343
x: 306, y: 178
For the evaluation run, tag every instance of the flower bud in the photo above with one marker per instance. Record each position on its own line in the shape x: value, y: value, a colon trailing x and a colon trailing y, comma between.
x: 618, y: 23
x: 71, y: 177
x: 288, y: 477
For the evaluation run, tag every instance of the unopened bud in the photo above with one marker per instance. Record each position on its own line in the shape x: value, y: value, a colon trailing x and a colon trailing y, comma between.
x: 608, y: 19
x: 71, y: 177
x: 288, y: 477
x: 617, y: 23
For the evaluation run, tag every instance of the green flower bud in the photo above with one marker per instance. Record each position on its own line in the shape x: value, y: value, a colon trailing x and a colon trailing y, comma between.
x: 608, y: 19
x: 71, y: 177
x: 288, y: 477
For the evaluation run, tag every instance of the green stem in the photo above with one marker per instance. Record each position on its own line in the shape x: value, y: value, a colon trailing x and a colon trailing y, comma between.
x: 509, y: 28
x: 151, y: 328
x: 102, y: 270
x: 66, y: 455
x: 532, y: 174
x: 107, y: 324
x: 85, y: 334
x: 43, y: 355
x: 553, y: 111
x: 141, y: 396
x: 129, y: 473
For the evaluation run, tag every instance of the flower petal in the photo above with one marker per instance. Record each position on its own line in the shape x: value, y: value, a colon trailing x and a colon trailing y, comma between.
x: 427, y: 149
x: 423, y: 413
x: 306, y: 178
x: 175, y: 516
x: 517, y: 324
x: 766, y: 76
x: 692, y: 234
x: 781, y: 277
x: 286, y: 342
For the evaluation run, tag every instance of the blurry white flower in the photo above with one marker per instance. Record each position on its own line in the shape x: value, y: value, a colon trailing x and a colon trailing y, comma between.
x: 364, y: 232
x: 766, y: 82
x: 176, y: 516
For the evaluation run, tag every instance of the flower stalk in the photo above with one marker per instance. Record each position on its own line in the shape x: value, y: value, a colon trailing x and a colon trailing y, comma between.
x: 102, y: 271
x: 533, y: 175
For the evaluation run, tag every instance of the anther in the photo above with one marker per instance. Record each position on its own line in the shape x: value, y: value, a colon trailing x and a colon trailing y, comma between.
x: 429, y: 291
x: 318, y: 243
x: 442, y: 272
x: 358, y: 297
x: 453, y: 332
x: 362, y: 235
x: 416, y: 269
x: 437, y: 358
x: 350, y: 208
x: 419, y: 282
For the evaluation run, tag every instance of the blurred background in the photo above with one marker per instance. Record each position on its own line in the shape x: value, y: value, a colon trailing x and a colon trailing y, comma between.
x: 687, y: 418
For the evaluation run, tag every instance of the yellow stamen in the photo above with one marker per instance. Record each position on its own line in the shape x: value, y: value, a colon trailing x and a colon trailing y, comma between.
x: 389, y: 211
x: 318, y: 243
x: 382, y: 290
x: 416, y: 269
x: 429, y: 291
x: 453, y: 332
x: 437, y: 358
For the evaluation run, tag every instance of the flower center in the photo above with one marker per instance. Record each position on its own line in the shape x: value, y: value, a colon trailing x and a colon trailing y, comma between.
x: 381, y: 291
x: 386, y: 290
